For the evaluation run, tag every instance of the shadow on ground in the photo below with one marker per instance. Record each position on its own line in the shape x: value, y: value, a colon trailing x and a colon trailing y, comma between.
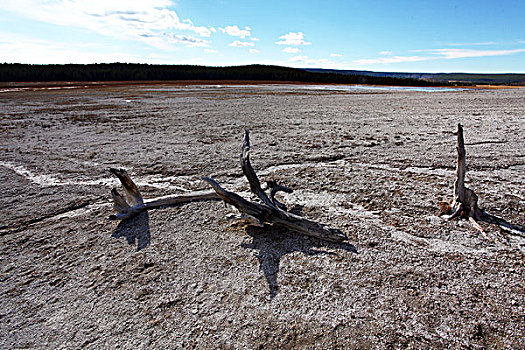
x: 135, y: 229
x: 274, y: 243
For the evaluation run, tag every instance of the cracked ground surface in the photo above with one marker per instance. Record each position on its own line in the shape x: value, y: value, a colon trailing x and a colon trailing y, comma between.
x: 372, y: 163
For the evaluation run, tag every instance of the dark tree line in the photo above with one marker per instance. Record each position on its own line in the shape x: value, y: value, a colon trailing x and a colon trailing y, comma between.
x: 14, y: 72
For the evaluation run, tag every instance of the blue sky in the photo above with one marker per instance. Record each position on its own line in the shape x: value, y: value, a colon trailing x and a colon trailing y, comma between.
x: 403, y: 36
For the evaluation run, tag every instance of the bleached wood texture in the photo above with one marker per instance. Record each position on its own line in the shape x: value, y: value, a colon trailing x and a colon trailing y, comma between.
x: 270, y: 211
x: 132, y: 202
x: 465, y: 202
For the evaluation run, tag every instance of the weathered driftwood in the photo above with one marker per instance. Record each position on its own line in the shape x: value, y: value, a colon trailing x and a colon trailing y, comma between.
x: 270, y: 211
x: 132, y: 202
x: 465, y: 201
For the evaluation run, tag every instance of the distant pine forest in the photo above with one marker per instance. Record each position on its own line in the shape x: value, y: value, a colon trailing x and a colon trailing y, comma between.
x: 510, y: 79
x: 13, y: 72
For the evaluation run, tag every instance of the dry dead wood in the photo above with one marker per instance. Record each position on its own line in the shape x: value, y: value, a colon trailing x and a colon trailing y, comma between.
x: 270, y: 211
x: 132, y: 202
x: 465, y: 201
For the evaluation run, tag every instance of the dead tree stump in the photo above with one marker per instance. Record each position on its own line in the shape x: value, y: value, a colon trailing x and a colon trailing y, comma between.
x: 465, y: 201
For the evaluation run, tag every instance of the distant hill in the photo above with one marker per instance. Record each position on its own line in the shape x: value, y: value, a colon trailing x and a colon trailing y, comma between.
x: 470, y: 78
x: 13, y: 72
x: 10, y: 72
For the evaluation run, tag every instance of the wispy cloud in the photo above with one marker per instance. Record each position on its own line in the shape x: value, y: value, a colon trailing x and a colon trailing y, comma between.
x: 392, y: 59
x: 21, y: 49
x: 238, y: 43
x: 236, y: 31
x: 438, y: 54
x: 187, y: 40
x: 292, y: 39
x: 254, y: 51
x: 150, y: 21
x: 335, y: 55
x: 386, y: 53
x: 484, y: 43
x: 464, y: 53
x: 305, y: 61
x: 289, y: 49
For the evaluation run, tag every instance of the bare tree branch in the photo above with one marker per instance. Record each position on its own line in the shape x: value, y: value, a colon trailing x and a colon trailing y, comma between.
x: 269, y: 211
x: 132, y: 203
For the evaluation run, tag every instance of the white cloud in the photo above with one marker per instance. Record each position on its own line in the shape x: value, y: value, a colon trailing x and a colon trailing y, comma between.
x: 150, y: 21
x: 464, y: 53
x: 254, y: 39
x: 486, y: 43
x: 16, y: 48
x: 254, y: 51
x: 393, y: 59
x: 305, y: 61
x: 299, y: 58
x: 210, y: 51
x: 438, y: 54
x: 238, y: 43
x: 236, y: 31
x: 291, y: 49
x: 385, y: 53
x: 21, y: 49
x: 187, y: 40
x: 335, y: 55
x: 292, y: 39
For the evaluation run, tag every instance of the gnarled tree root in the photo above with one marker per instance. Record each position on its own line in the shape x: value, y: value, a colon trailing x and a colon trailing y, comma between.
x: 465, y: 202
x: 270, y: 211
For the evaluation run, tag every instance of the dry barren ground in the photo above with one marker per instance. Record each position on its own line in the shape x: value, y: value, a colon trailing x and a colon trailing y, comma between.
x: 372, y: 163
